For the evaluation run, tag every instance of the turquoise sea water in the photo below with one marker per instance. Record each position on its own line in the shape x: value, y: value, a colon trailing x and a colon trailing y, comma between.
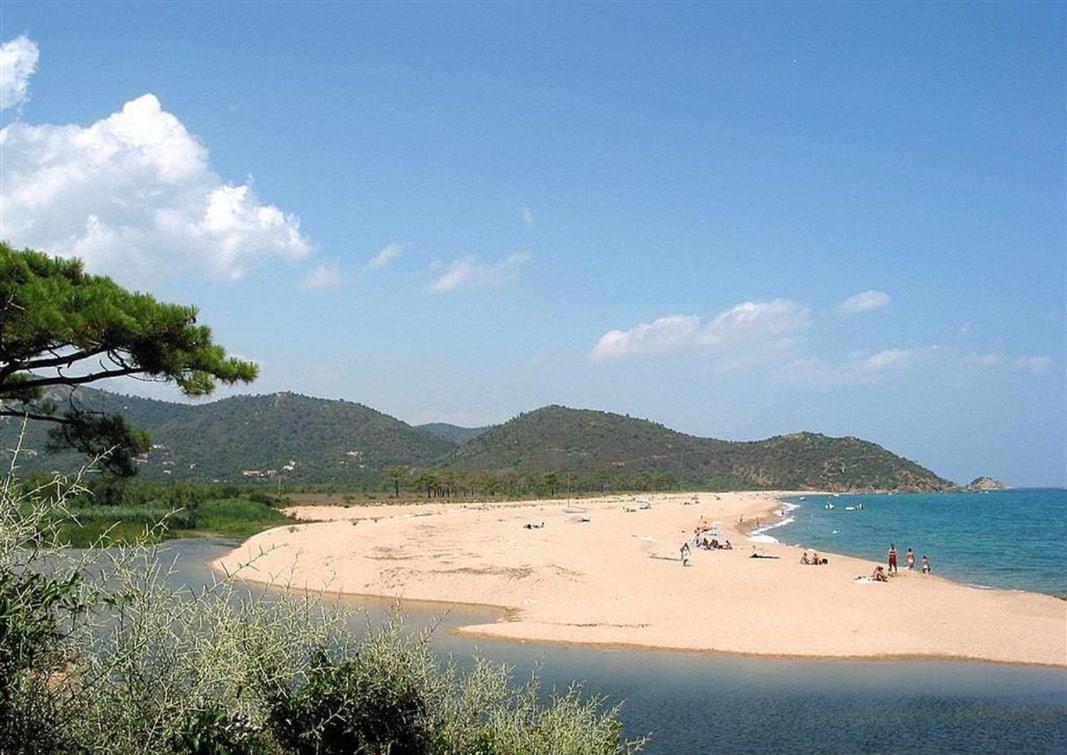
x: 1014, y: 539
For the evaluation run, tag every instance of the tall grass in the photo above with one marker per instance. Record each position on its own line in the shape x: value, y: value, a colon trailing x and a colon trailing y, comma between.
x: 98, y: 654
x: 83, y: 525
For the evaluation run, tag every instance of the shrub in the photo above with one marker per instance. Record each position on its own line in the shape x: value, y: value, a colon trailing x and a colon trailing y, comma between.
x: 98, y: 654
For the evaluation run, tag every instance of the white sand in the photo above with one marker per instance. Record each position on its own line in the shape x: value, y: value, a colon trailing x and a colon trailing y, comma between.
x: 617, y: 579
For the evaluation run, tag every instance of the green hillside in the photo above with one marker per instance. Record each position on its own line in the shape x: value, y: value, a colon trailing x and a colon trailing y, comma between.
x: 452, y: 433
x: 301, y: 438
x: 316, y: 441
x: 585, y: 443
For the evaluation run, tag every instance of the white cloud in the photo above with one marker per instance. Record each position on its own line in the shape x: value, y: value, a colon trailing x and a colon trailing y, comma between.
x: 467, y: 272
x: 387, y: 254
x: 527, y: 217
x: 900, y: 357
x: 747, y: 334
x: 18, y: 61
x: 1035, y: 364
x: 666, y: 335
x: 323, y: 276
x: 134, y: 196
x: 887, y: 358
x: 863, y: 302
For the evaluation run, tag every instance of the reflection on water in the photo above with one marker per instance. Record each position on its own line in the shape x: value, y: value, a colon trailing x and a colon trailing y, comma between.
x: 697, y: 703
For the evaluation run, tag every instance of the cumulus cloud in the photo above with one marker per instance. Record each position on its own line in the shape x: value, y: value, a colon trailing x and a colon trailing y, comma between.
x: 468, y: 272
x: 863, y: 302
x: 323, y: 276
x: 527, y: 217
x: 134, y: 196
x: 18, y: 62
x: 742, y: 336
x: 666, y: 335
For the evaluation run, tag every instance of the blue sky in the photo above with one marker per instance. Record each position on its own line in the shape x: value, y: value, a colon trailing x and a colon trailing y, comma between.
x: 651, y: 209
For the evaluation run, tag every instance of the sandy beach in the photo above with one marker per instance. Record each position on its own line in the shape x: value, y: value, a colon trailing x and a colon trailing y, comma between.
x: 616, y: 579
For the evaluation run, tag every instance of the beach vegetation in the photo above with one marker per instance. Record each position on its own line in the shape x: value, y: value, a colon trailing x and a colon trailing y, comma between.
x: 99, y: 653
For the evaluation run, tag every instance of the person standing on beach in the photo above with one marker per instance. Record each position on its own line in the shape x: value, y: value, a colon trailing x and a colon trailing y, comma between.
x: 892, y: 558
x: 685, y: 554
x: 909, y: 560
x: 926, y: 565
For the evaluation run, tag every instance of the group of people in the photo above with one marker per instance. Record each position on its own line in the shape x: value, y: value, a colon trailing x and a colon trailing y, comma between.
x: 702, y: 541
x: 713, y: 544
x: 814, y: 559
x: 881, y: 574
x: 909, y: 560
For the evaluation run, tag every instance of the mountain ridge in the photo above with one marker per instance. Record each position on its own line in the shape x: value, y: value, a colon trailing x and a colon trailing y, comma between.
x: 328, y: 441
x: 577, y: 441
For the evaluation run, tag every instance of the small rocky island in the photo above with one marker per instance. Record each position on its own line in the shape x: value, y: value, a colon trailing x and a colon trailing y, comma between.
x: 979, y: 484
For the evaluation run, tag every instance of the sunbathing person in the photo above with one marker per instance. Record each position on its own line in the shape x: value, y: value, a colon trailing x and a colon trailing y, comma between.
x: 879, y: 575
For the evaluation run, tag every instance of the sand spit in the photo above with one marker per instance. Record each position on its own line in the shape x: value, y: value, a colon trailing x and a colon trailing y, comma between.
x: 617, y: 579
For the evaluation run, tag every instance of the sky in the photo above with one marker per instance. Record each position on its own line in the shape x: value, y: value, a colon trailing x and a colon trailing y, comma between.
x: 739, y: 220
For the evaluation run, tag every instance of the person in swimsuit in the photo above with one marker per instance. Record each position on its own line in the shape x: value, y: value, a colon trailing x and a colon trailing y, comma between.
x: 878, y: 575
x: 926, y: 565
x: 685, y: 554
x: 892, y: 558
x: 909, y: 559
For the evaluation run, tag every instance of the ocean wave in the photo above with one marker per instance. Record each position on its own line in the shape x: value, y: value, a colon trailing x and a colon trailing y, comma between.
x: 759, y: 535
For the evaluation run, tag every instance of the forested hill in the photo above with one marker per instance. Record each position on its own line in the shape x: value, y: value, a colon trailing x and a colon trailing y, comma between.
x: 452, y: 433
x: 250, y: 437
x: 309, y: 440
x: 584, y: 443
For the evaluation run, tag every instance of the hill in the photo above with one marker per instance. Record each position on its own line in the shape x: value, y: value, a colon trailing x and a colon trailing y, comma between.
x: 452, y: 433
x: 318, y: 441
x: 584, y: 443
x: 246, y: 437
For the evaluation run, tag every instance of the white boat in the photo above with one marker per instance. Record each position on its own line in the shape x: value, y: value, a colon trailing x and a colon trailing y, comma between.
x: 828, y: 506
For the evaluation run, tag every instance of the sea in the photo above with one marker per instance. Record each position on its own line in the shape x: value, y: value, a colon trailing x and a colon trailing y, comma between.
x: 1013, y: 539
x: 712, y: 703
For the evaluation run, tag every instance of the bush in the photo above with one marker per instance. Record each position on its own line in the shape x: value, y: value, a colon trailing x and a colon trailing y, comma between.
x: 118, y: 662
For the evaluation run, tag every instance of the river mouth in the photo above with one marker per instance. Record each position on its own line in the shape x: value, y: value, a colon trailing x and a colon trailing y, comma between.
x: 701, y: 702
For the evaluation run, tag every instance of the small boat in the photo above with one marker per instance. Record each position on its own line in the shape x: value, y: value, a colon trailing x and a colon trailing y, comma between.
x: 850, y: 508
x: 828, y: 506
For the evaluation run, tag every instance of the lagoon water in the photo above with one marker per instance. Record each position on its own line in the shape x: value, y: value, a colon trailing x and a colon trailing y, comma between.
x: 705, y: 703
x: 1014, y: 539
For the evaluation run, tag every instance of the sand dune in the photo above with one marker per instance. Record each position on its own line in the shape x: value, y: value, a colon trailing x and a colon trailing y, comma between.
x: 617, y: 579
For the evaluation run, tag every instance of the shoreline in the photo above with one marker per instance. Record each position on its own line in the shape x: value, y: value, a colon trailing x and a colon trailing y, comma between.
x: 561, y: 584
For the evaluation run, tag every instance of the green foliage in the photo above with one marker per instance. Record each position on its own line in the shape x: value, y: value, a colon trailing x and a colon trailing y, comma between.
x: 453, y: 433
x: 331, y: 442
x: 237, y: 517
x: 373, y: 702
x: 165, y: 670
x: 598, y: 447
x: 60, y: 328
x: 551, y: 451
